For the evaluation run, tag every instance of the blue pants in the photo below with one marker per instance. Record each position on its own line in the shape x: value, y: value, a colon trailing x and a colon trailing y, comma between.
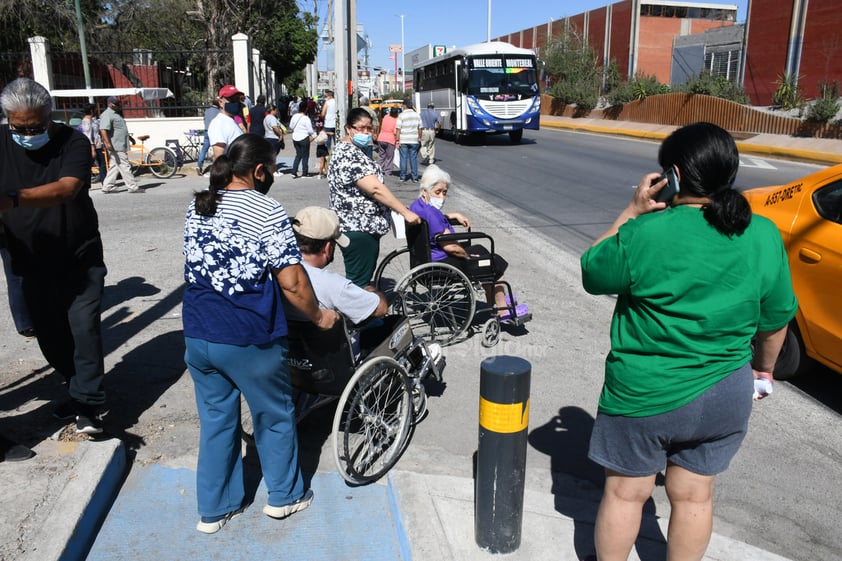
x: 14, y: 284
x: 203, y: 152
x: 220, y: 372
x: 302, y: 155
x: 409, y: 152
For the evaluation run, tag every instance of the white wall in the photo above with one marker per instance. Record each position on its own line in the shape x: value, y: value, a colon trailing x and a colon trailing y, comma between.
x: 162, y: 129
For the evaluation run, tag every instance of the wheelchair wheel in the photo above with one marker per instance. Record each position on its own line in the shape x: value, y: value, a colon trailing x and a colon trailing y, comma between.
x: 491, y: 332
x: 391, y: 270
x: 372, y: 421
x: 162, y: 162
x: 438, y: 299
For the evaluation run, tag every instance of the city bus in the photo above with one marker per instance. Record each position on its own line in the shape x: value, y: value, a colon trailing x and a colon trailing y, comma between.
x: 486, y: 88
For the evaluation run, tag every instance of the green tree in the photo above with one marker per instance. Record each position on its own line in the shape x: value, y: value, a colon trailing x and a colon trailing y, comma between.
x: 573, y: 69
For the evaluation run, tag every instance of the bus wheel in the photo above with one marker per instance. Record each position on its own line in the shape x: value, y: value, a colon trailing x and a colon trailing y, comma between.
x: 515, y: 136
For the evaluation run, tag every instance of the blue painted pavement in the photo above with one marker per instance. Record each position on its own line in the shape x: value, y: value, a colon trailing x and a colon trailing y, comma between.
x: 154, y: 518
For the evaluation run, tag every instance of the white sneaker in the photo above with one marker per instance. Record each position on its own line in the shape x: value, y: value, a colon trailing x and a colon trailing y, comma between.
x: 435, y: 351
x: 291, y: 508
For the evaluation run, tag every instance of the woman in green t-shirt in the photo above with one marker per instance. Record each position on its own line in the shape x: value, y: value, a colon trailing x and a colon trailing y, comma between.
x: 695, y: 284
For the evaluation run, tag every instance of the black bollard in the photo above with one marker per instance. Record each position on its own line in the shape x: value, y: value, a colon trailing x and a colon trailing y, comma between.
x: 501, y: 454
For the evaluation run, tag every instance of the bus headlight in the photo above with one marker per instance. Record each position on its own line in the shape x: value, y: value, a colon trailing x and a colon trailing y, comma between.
x: 473, y: 105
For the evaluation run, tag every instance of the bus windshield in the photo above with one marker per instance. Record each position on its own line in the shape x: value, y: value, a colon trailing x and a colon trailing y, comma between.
x: 502, y: 77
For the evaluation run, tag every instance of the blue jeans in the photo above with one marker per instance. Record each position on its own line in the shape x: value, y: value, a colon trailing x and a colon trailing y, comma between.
x: 14, y: 284
x: 205, y: 147
x: 302, y: 155
x: 409, y: 152
x: 220, y: 373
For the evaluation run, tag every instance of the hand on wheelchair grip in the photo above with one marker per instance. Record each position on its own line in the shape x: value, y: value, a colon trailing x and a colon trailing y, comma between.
x: 327, y: 319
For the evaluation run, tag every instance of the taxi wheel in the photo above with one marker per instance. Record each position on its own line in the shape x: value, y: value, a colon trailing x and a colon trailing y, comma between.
x: 793, y: 360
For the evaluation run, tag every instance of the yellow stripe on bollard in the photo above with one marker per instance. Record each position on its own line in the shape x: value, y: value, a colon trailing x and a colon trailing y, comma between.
x: 505, y: 418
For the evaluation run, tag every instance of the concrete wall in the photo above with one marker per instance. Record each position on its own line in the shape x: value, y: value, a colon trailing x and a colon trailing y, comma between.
x: 162, y: 129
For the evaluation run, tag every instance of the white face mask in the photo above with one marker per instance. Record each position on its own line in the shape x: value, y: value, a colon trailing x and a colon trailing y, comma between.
x: 437, y: 202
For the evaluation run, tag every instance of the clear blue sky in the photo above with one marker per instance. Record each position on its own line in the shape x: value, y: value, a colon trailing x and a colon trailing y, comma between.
x: 458, y: 22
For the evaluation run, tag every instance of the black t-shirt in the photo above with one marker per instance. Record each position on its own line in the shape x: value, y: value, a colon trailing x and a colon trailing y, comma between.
x: 49, y: 239
x: 256, y: 114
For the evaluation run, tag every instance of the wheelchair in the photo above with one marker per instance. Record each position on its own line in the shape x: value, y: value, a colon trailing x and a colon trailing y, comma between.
x: 440, y: 300
x: 380, y: 393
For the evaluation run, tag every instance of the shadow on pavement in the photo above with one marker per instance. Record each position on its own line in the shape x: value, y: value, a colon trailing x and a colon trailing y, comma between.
x: 577, y: 483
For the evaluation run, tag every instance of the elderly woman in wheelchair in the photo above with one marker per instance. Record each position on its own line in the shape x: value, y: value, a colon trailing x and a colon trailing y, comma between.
x: 436, y: 288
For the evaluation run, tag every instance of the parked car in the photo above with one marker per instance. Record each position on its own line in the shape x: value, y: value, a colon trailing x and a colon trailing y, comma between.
x: 808, y: 213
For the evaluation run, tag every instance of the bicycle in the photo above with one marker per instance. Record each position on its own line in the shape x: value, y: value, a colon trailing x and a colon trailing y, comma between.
x: 161, y: 161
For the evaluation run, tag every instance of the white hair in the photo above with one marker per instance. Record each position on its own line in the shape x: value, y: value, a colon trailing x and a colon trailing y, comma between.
x: 434, y: 175
x: 23, y: 94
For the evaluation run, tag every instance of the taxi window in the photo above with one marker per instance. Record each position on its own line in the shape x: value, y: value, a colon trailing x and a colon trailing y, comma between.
x: 828, y: 202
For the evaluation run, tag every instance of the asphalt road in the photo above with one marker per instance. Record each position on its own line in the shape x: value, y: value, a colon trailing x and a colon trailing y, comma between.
x: 543, y: 202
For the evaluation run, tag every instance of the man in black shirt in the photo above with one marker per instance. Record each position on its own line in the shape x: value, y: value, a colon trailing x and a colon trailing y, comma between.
x: 52, y: 232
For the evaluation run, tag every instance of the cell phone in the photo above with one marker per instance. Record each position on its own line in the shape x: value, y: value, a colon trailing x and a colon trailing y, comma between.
x: 669, y: 190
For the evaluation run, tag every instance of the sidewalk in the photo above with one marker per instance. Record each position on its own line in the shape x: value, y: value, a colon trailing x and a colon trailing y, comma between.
x: 821, y: 150
x: 59, y: 501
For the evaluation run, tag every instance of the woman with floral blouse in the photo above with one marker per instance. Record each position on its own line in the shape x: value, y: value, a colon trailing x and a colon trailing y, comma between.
x: 360, y: 198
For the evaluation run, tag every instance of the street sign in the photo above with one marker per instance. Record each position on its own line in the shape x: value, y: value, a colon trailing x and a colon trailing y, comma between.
x: 395, y: 48
x: 439, y: 50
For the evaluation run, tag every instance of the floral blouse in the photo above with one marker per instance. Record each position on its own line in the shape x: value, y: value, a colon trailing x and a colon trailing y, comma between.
x: 357, y: 211
x: 232, y: 295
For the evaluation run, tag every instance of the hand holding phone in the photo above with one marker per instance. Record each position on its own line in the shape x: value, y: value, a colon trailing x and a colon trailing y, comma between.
x: 670, y: 190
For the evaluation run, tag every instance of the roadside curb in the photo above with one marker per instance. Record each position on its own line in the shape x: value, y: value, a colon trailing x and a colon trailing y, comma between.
x: 744, y: 147
x: 86, y: 498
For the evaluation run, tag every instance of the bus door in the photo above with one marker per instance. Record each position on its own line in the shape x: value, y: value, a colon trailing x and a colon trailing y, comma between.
x: 457, y: 119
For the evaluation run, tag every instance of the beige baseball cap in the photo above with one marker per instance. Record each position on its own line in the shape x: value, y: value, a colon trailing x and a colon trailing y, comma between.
x: 319, y: 223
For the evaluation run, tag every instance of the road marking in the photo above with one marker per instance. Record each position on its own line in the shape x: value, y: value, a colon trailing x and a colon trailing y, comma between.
x: 747, y: 162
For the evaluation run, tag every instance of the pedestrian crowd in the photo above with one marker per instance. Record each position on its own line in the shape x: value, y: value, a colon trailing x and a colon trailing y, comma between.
x: 699, y: 316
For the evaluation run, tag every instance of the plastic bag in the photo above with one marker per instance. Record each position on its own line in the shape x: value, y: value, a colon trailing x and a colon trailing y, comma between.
x: 321, y: 138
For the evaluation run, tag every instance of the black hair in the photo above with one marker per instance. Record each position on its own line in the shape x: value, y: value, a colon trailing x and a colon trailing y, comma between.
x: 708, y: 160
x: 302, y: 107
x: 393, y: 112
x: 308, y: 246
x: 89, y: 109
x: 244, y: 154
x: 356, y: 115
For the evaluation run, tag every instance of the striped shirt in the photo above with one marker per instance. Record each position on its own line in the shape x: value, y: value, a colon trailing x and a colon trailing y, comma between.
x: 232, y: 296
x: 408, y: 123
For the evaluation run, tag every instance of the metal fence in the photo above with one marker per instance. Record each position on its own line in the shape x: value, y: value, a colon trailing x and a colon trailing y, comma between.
x: 184, y: 73
x: 682, y: 109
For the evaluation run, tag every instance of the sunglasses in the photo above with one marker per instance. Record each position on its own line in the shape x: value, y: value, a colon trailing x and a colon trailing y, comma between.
x: 28, y: 131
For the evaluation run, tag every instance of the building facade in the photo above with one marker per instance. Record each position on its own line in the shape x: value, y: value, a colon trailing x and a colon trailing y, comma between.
x: 636, y: 34
x: 796, y: 37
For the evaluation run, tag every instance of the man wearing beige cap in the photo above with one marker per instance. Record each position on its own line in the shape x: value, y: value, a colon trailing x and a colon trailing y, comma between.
x: 317, y: 233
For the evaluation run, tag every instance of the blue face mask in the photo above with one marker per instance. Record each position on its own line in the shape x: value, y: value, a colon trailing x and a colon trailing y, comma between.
x: 35, y: 142
x: 233, y: 107
x: 361, y: 140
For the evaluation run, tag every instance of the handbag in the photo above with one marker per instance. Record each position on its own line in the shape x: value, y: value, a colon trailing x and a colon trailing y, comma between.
x: 321, y: 138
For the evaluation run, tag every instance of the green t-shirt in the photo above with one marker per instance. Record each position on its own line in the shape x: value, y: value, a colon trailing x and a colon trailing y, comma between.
x: 690, y: 299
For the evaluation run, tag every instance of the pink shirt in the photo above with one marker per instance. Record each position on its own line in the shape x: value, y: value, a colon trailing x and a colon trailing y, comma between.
x: 387, y: 130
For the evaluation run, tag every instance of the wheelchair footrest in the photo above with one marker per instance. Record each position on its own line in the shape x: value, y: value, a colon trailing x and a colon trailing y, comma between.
x: 517, y: 321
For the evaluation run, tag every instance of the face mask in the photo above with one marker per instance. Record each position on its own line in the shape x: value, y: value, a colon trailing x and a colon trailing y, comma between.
x: 233, y: 107
x: 437, y: 202
x: 361, y: 140
x: 263, y: 185
x: 31, y: 142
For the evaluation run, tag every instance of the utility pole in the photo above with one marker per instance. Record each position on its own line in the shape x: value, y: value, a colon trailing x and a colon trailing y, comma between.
x: 403, y: 60
x: 340, y: 44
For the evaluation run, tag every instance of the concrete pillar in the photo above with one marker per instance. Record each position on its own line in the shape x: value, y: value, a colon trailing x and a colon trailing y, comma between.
x: 256, y: 75
x: 42, y: 66
x: 242, y: 68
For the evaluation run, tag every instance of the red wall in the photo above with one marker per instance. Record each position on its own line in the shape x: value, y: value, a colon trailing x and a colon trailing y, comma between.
x: 620, y: 33
x: 596, y: 31
x: 821, y: 58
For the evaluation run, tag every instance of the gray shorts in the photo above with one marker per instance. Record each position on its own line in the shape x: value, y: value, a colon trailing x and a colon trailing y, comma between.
x: 702, y: 436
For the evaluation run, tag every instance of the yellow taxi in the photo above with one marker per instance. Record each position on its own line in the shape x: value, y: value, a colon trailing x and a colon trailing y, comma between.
x: 808, y: 213
x: 387, y: 104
